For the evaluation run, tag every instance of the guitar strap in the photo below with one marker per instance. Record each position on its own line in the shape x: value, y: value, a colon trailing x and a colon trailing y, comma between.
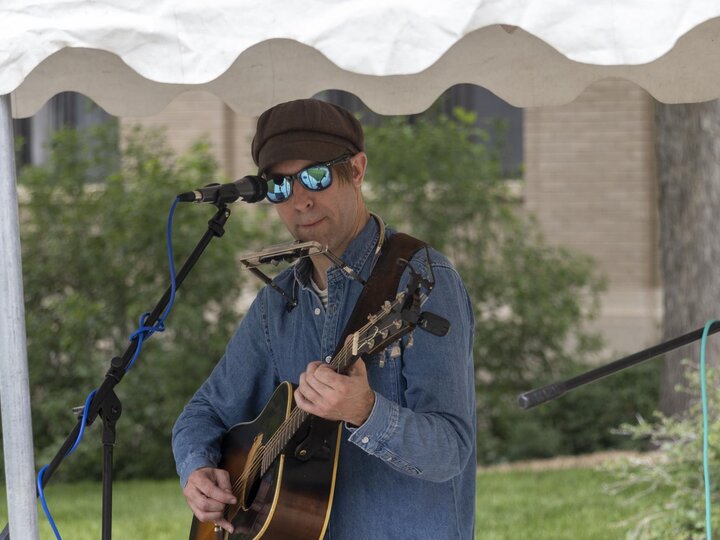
x: 383, y: 282
x: 381, y: 286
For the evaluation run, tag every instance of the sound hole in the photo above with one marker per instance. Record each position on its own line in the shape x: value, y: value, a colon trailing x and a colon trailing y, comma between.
x: 250, y: 482
x: 250, y: 492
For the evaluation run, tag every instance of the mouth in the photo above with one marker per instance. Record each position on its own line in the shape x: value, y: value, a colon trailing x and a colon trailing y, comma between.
x: 311, y: 224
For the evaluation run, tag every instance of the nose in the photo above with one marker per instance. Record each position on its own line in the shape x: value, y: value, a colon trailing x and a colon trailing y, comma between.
x: 302, y: 198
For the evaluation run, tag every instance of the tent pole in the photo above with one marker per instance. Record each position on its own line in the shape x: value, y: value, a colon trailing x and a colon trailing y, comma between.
x: 14, y: 382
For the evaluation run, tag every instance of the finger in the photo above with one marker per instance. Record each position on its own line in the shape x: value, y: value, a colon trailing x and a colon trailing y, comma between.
x: 302, y: 402
x: 358, y: 369
x: 222, y: 477
x: 312, y: 367
x: 304, y: 390
x: 327, y: 376
x: 209, y: 488
x: 220, y: 495
x: 225, y: 524
x: 322, y: 380
x: 214, y: 517
x: 202, y: 514
x: 199, y: 502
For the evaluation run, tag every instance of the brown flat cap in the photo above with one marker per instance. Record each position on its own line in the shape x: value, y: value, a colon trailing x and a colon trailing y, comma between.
x: 305, y: 129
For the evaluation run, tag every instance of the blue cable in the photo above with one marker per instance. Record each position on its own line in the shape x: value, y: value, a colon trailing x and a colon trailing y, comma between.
x: 706, y: 466
x: 141, y: 333
x: 44, y: 503
x: 88, y: 401
x: 41, y: 491
x: 171, y: 261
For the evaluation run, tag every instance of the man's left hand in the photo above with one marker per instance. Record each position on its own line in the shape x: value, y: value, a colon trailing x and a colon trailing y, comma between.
x: 328, y: 394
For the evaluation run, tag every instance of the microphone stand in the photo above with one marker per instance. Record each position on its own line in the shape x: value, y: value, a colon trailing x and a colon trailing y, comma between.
x: 532, y: 398
x: 106, y: 403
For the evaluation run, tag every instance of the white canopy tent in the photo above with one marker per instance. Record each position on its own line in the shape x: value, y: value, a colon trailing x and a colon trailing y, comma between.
x: 133, y: 57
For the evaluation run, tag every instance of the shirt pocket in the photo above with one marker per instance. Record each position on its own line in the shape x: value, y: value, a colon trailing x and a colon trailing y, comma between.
x: 385, y: 372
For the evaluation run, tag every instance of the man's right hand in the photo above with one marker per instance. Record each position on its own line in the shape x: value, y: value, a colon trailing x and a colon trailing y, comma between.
x: 207, y: 492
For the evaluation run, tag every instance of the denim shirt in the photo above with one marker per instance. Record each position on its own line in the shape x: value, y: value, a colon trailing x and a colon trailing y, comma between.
x: 409, y: 470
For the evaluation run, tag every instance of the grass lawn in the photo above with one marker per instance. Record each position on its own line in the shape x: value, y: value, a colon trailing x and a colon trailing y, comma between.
x: 553, y: 504
x: 141, y: 510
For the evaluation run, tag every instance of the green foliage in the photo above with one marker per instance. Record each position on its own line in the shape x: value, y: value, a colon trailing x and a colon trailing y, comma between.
x: 583, y: 421
x: 94, y: 260
x: 440, y: 179
x: 677, y: 468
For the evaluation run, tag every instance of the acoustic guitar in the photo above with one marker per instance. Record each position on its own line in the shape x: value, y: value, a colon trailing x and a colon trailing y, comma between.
x: 283, y: 464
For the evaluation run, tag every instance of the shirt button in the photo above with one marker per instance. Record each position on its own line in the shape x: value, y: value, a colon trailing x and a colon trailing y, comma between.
x: 317, y: 311
x: 365, y: 440
x: 328, y: 359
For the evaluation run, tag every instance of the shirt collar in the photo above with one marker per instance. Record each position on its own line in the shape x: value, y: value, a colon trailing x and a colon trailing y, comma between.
x: 355, y: 255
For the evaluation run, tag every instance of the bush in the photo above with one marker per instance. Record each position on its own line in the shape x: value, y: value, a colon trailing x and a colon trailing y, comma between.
x: 586, y: 419
x: 677, y: 469
x: 94, y: 260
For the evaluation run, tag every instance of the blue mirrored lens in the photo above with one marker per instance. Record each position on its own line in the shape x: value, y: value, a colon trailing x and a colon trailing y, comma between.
x: 315, y: 178
x: 279, y: 189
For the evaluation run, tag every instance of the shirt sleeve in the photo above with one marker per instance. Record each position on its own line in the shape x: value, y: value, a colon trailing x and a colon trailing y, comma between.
x: 430, y: 435
x: 241, y: 382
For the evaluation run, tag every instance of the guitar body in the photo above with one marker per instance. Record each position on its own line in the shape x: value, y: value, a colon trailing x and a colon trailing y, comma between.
x: 292, y: 499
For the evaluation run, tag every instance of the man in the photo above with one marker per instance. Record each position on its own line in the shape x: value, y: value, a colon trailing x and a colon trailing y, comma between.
x: 407, y: 454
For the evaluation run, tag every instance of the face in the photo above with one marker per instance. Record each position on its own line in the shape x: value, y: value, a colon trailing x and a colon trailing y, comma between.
x: 333, y: 216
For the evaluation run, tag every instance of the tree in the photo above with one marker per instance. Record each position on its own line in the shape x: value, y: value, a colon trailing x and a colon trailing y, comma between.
x: 94, y: 259
x: 439, y: 178
x: 688, y: 154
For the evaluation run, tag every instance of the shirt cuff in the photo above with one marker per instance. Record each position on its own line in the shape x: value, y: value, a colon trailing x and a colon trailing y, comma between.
x: 192, y: 463
x: 378, y: 427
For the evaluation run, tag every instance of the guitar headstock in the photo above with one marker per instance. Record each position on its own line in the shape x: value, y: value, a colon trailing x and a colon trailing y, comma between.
x: 391, y: 323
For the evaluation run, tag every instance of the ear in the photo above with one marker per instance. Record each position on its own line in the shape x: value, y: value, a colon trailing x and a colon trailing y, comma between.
x: 359, y: 164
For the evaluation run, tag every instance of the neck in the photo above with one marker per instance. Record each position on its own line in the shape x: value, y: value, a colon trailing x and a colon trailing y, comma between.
x: 319, y: 273
x: 321, y: 263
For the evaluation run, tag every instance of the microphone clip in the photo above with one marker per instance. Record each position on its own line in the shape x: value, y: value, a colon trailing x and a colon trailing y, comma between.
x: 249, y: 189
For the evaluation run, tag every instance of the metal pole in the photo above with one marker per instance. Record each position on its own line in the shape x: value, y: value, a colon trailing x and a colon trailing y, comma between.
x: 14, y: 383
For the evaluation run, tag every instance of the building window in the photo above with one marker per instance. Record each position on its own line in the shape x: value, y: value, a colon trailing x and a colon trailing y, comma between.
x: 67, y: 109
x: 502, y: 121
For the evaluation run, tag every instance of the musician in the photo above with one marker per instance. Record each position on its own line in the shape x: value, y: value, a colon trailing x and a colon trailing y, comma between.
x: 407, y: 455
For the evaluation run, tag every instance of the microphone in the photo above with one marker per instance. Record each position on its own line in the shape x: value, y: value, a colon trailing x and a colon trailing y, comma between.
x: 250, y: 189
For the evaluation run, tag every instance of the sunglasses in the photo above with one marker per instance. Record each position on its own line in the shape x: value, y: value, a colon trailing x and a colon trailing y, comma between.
x: 315, y: 178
